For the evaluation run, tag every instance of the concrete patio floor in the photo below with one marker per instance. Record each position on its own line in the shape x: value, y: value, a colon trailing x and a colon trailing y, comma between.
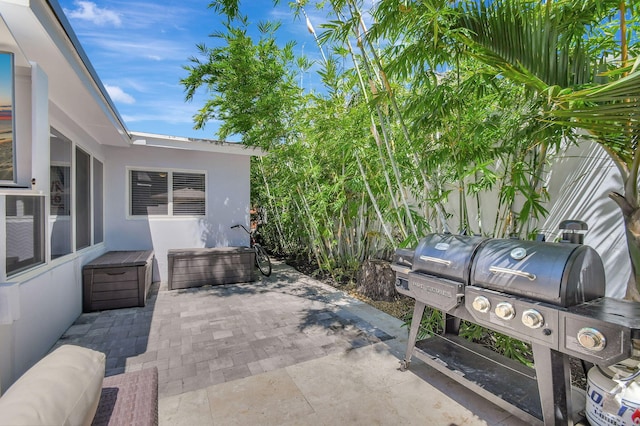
x: 284, y: 350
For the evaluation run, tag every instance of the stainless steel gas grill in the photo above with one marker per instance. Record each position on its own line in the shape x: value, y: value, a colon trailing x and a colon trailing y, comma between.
x: 548, y: 294
x: 437, y: 270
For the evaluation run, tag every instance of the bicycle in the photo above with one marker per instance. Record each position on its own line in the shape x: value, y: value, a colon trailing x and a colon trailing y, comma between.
x: 262, y: 258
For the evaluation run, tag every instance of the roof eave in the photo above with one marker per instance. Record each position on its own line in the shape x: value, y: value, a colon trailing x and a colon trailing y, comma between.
x: 193, y: 144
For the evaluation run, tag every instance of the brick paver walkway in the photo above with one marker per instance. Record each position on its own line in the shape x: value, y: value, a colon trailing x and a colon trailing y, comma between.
x: 203, y: 336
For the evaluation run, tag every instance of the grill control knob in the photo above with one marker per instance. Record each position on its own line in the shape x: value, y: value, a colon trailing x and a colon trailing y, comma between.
x: 505, y: 310
x: 592, y: 339
x: 481, y: 304
x: 532, y: 318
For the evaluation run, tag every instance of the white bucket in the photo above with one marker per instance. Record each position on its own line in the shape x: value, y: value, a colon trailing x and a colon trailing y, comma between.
x: 602, y: 410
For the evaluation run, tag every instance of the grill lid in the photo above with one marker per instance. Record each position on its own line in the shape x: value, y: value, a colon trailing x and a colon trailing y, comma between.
x: 446, y: 256
x: 403, y: 257
x: 563, y: 274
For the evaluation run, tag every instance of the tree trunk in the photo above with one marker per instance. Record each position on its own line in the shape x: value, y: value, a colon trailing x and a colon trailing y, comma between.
x: 631, y: 216
x: 376, y: 280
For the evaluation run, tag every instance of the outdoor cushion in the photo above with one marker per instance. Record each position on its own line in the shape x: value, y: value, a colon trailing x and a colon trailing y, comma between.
x: 61, y: 389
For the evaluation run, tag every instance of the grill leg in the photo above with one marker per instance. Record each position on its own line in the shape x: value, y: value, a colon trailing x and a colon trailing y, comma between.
x: 418, y: 310
x: 554, y: 385
x: 451, y: 324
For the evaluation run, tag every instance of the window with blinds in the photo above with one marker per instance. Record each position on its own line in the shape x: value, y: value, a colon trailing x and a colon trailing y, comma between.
x: 188, y: 194
x: 167, y: 193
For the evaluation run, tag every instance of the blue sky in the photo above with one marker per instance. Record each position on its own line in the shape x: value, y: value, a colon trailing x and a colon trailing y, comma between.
x: 138, y: 49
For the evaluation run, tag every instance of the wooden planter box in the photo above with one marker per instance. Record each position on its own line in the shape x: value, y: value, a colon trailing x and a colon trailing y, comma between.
x: 210, y: 266
x: 117, y: 279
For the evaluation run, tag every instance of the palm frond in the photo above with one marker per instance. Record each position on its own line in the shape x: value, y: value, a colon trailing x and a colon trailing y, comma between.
x: 527, y: 40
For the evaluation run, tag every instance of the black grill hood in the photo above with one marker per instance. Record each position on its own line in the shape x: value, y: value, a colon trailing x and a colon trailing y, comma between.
x: 446, y: 256
x: 560, y: 273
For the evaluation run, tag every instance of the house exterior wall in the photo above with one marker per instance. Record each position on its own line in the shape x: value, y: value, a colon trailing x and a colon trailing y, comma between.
x: 44, y: 303
x: 227, y: 202
x: 55, y: 86
x: 579, y: 181
x: 38, y: 305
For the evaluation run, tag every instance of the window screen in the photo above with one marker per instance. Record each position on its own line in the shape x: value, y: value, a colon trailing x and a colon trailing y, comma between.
x: 188, y: 194
x: 83, y: 199
x: 149, y: 193
x: 24, y: 232
x: 152, y: 192
x: 60, y: 200
x: 98, y: 203
x: 60, y: 191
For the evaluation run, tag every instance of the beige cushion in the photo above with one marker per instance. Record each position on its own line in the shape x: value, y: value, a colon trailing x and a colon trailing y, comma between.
x: 61, y: 389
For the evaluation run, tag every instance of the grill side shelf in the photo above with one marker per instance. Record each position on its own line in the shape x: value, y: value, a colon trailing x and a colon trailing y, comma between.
x: 507, y: 383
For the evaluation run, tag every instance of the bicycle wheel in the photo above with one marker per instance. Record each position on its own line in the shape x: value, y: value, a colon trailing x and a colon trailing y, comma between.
x: 262, y: 260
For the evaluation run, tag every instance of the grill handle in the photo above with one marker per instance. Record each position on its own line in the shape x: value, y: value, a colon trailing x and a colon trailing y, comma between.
x: 436, y: 260
x: 499, y: 270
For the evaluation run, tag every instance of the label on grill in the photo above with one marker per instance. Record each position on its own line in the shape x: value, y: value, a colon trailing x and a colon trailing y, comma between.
x: 518, y: 253
x: 442, y: 246
x: 436, y: 292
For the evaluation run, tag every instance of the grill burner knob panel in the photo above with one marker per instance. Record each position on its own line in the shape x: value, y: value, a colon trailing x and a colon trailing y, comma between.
x: 532, y: 318
x: 505, y: 310
x: 547, y: 334
x: 481, y: 304
x: 592, y: 339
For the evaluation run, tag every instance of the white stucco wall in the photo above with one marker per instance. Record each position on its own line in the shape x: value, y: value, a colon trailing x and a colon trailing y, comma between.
x: 227, y: 201
x: 579, y: 182
x: 45, y: 300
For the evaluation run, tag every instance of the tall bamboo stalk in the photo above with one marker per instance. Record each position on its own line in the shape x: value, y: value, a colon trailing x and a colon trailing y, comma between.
x: 400, y: 115
x: 374, y: 202
x: 307, y: 226
x: 375, y: 134
x: 271, y: 203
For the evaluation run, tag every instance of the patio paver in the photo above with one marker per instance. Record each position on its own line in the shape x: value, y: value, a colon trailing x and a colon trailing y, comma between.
x: 286, y: 349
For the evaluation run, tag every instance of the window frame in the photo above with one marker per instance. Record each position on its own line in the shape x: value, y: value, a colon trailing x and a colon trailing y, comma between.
x: 74, y: 187
x: 170, y: 190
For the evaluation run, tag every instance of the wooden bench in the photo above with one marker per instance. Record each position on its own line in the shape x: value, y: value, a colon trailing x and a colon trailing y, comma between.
x: 210, y: 266
x: 117, y: 279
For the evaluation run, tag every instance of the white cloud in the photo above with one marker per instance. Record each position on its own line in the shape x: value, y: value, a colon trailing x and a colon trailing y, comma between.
x: 119, y: 95
x: 166, y: 111
x: 89, y: 11
x: 134, y: 46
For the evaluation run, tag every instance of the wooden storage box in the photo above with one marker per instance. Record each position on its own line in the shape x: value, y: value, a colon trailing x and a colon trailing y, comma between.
x: 210, y: 266
x: 117, y: 279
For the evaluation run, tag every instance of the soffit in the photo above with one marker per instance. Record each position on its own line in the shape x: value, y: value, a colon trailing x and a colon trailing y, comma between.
x: 192, y: 144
